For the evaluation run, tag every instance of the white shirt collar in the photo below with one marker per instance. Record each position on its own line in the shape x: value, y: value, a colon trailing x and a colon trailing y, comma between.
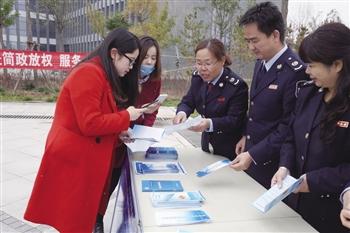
x: 270, y: 62
x: 214, y: 81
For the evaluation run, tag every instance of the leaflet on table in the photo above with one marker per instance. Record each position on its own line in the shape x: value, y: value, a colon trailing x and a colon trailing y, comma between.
x: 178, y: 199
x: 272, y: 196
x: 139, y: 145
x: 147, y: 133
x: 183, y: 217
x: 156, y: 153
x: 185, y: 125
x: 161, y: 186
x: 158, y: 167
x: 213, y: 167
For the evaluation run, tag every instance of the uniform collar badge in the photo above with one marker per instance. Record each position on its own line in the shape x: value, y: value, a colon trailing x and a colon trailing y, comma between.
x: 273, y: 87
x: 295, y: 63
x: 221, y: 84
x: 232, y: 80
x: 279, y: 66
x: 343, y: 124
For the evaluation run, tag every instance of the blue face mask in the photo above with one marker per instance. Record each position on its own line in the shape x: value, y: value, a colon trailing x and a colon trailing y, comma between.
x: 146, y: 70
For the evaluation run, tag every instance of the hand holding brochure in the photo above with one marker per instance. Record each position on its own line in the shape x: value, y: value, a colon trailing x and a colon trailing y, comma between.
x: 213, y: 167
x: 160, y: 99
x: 185, y: 125
x: 178, y: 199
x: 158, y: 167
x: 170, y: 218
x: 161, y: 186
x: 272, y: 196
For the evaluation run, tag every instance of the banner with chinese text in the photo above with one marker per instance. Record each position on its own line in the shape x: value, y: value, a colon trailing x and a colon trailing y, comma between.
x: 25, y: 59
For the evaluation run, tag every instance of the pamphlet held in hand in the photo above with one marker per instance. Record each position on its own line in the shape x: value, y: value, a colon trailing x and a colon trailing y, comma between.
x: 274, y: 195
x: 213, y: 167
x: 160, y: 99
x: 183, y: 217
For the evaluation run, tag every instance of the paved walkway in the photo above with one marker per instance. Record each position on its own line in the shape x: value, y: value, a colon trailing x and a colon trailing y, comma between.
x: 23, y: 131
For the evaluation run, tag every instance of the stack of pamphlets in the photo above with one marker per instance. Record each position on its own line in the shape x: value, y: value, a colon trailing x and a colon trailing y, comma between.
x: 274, y: 195
x: 177, y: 200
x: 161, y: 186
x: 158, y: 167
x: 169, y: 218
x: 213, y: 167
x: 161, y: 153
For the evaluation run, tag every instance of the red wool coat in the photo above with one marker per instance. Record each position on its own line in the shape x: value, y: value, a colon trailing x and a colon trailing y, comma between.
x: 78, y: 153
x: 149, y: 92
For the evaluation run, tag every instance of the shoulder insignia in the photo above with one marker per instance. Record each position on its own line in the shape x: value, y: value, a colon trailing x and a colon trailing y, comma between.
x: 294, y: 64
x: 301, y: 84
x: 195, y: 72
x: 233, y: 81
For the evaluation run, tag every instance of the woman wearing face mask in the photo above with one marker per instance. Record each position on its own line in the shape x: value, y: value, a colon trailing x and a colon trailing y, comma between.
x: 219, y: 95
x: 150, y: 79
x: 94, y: 107
x: 317, y: 147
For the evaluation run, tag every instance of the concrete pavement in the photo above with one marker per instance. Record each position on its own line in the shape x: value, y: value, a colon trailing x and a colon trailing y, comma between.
x: 23, y: 131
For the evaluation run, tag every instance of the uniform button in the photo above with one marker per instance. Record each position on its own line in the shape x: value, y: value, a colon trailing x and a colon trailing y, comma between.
x: 322, y: 196
x: 302, y: 157
x: 251, y: 103
x: 306, y: 135
x: 203, y: 105
x: 328, y: 195
x: 250, y: 119
x: 248, y: 137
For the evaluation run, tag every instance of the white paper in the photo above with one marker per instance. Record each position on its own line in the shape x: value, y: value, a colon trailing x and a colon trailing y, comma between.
x: 274, y: 195
x: 147, y: 133
x: 161, y: 98
x: 213, y: 167
x: 139, y: 145
x: 185, y: 125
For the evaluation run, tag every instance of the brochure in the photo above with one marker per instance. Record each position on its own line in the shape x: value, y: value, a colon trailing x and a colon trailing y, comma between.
x: 160, y: 99
x: 158, y: 167
x: 185, y: 125
x: 274, y: 195
x: 178, y: 199
x: 147, y: 133
x: 161, y: 153
x: 161, y: 186
x: 169, y: 218
x: 139, y: 145
x: 213, y: 167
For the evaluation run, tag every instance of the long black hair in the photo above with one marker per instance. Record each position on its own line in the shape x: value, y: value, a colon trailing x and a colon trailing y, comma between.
x: 125, y: 89
x: 327, y: 44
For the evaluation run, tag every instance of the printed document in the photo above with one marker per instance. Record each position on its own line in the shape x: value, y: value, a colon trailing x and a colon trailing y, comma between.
x: 213, y: 167
x: 274, y: 195
x: 185, y: 125
x: 183, y: 217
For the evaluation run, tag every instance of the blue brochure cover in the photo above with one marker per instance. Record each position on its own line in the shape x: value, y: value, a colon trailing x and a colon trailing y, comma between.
x: 158, y: 167
x: 213, y: 167
x: 161, y: 186
x: 171, y: 218
x: 161, y: 153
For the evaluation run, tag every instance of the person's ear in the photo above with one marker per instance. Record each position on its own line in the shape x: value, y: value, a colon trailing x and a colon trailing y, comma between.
x: 338, y: 65
x: 114, y: 53
x: 276, y: 35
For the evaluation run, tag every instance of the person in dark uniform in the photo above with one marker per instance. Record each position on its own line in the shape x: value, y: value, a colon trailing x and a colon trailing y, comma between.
x: 317, y: 147
x: 345, y: 212
x: 219, y: 95
x: 272, y: 92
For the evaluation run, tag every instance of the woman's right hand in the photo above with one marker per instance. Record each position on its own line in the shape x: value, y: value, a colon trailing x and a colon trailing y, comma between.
x: 179, y: 118
x: 135, y: 112
x: 240, y: 146
x: 279, y: 176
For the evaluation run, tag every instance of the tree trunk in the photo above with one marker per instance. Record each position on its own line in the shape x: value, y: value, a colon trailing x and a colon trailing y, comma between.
x: 2, y: 45
x: 284, y: 10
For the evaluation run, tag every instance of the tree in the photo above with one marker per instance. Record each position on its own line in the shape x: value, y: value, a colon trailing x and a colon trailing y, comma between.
x: 7, y: 17
x: 117, y: 21
x: 224, y: 16
x: 58, y: 9
x: 97, y: 20
x: 194, y: 31
x: 147, y: 20
x: 284, y: 9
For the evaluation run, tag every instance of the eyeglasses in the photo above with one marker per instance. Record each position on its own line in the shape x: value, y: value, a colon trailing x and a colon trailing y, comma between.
x: 205, y: 65
x: 131, y: 61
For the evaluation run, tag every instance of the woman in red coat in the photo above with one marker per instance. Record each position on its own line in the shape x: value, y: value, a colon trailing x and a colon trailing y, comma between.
x: 150, y: 79
x: 94, y: 107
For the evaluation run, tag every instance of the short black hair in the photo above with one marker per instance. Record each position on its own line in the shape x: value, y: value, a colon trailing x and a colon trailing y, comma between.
x: 267, y: 17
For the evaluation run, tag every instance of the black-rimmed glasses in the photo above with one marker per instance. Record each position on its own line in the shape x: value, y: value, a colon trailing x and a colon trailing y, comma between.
x: 131, y: 61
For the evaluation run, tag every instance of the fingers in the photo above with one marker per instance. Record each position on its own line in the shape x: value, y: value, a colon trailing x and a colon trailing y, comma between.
x: 238, y: 149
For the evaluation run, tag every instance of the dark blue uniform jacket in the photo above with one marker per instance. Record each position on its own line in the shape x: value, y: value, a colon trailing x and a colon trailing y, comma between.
x: 226, y: 104
x: 327, y: 166
x: 272, y: 100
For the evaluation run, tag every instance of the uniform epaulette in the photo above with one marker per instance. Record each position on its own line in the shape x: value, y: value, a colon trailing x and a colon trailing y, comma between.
x: 301, y: 84
x: 295, y: 64
x: 232, y: 80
